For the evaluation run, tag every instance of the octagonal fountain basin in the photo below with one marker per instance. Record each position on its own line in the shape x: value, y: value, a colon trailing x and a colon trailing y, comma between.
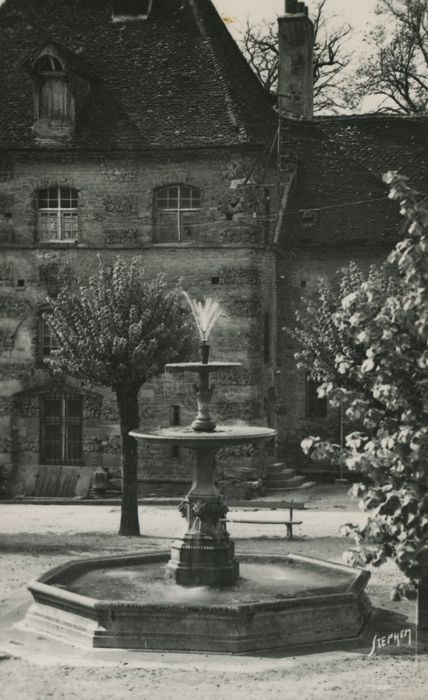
x: 128, y: 602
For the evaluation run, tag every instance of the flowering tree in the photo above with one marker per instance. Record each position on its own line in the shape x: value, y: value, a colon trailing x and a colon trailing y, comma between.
x: 380, y: 373
x: 321, y: 337
x: 119, y: 330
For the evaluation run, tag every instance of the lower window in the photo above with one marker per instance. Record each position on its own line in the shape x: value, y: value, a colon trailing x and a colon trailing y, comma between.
x: 61, y: 429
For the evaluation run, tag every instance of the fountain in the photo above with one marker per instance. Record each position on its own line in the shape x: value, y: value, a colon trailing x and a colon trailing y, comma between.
x: 198, y: 597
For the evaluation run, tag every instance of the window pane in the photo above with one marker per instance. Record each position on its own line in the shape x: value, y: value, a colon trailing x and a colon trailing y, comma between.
x: 73, y: 430
x: 53, y: 197
x: 52, y: 445
x: 69, y: 225
x: 172, y: 197
x: 48, y: 226
x: 43, y: 199
x: 73, y: 409
x: 189, y: 223
x: 162, y: 199
x: 73, y: 443
x: 167, y: 228
x: 68, y: 198
x: 48, y: 199
x: 196, y: 199
x: 186, y: 196
x: 52, y: 409
x: 189, y: 198
x: 64, y: 197
x: 167, y: 198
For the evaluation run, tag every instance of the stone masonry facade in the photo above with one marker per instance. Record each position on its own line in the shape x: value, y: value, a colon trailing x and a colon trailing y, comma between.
x: 229, y: 261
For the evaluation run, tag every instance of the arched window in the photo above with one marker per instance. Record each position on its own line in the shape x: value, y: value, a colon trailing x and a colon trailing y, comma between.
x: 176, y: 213
x: 55, y: 101
x: 58, y: 214
x: 61, y: 424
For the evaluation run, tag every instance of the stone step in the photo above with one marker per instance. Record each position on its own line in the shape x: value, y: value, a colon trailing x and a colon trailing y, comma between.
x: 274, y: 469
x: 294, y: 480
x: 284, y: 474
x: 284, y: 483
x: 306, y: 484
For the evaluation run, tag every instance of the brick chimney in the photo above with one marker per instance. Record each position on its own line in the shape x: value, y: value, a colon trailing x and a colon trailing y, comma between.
x: 296, y: 48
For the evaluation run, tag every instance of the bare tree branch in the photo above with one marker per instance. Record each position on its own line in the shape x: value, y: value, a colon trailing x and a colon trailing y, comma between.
x: 397, y: 65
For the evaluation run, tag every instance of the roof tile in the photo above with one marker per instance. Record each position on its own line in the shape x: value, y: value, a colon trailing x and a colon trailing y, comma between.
x: 175, y: 80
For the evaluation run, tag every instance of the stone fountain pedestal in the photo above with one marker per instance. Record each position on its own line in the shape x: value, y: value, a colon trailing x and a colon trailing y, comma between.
x: 205, y: 555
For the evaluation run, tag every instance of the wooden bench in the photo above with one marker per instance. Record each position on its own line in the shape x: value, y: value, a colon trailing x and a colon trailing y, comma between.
x: 262, y: 518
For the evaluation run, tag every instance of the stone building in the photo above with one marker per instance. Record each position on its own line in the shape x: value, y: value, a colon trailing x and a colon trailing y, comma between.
x: 334, y: 208
x: 124, y: 126
x: 136, y: 127
x: 337, y: 211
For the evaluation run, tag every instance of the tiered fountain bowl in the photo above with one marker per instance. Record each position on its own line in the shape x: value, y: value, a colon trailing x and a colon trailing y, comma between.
x: 197, y: 597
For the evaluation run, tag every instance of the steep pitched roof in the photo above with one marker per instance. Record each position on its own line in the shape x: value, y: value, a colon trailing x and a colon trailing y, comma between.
x: 174, y: 80
x: 341, y: 161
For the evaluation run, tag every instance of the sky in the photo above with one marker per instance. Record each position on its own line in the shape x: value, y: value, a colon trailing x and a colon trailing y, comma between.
x: 353, y: 11
x: 356, y: 12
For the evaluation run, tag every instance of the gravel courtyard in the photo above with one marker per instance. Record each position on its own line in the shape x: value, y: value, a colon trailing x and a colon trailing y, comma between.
x: 35, y: 538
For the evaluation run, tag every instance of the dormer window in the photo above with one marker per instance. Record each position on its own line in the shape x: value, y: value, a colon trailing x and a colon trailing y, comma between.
x: 128, y: 10
x: 54, y: 100
x: 177, y: 214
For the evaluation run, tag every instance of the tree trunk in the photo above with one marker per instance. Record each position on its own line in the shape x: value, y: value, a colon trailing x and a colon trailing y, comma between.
x: 127, y: 401
x: 423, y: 603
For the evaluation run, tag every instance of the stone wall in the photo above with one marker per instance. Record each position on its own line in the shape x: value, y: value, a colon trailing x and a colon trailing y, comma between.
x: 229, y: 260
x: 297, y: 276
